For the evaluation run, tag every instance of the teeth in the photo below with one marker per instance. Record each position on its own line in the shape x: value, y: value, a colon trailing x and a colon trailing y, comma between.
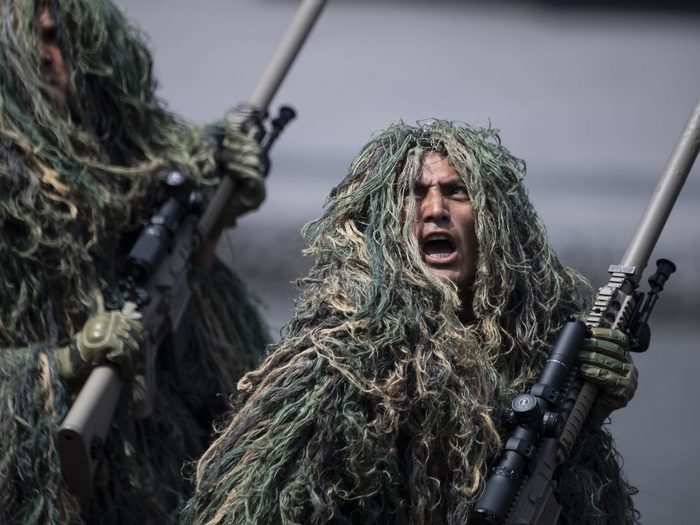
x: 438, y: 246
x: 440, y: 237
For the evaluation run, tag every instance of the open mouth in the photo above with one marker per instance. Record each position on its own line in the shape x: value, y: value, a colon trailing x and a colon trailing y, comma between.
x: 439, y: 249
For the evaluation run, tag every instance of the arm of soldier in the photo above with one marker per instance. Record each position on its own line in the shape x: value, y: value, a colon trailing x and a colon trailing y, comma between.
x: 606, y: 362
x: 223, y: 150
x: 33, y: 404
x: 240, y: 156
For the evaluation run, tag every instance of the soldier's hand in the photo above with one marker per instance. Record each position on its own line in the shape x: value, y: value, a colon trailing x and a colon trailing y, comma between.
x: 241, y: 157
x: 108, y: 337
x: 606, y: 362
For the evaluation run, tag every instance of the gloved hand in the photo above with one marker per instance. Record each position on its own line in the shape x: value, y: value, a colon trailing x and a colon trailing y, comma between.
x: 605, y: 361
x: 241, y: 158
x: 108, y: 337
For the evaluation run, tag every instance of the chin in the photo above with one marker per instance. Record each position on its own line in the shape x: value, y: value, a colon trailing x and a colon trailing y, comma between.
x: 447, y: 275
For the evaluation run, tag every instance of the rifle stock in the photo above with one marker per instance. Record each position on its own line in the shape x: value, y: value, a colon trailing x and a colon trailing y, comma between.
x: 83, y: 432
x: 81, y: 435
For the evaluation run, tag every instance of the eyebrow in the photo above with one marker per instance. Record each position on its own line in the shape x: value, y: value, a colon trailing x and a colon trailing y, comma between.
x: 452, y: 182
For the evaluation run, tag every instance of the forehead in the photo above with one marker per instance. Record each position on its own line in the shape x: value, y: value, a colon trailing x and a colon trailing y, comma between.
x: 436, y: 169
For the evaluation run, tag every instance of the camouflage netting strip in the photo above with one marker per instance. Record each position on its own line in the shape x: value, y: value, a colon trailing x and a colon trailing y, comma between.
x: 32, y: 403
x: 378, y: 405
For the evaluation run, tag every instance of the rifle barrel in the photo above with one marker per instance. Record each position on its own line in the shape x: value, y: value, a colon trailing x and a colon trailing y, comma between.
x: 287, y: 50
x: 664, y: 196
x: 286, y: 53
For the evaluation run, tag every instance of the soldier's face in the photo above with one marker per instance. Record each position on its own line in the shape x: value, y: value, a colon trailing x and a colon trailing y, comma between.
x: 53, y: 68
x: 445, y: 224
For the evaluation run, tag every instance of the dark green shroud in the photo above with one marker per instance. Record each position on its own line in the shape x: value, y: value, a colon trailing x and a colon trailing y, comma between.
x: 378, y: 405
x: 75, y: 185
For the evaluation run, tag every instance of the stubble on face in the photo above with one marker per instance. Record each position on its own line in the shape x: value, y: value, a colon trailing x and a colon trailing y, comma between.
x: 445, y: 228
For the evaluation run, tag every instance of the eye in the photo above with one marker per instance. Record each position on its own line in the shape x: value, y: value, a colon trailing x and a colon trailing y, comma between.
x: 49, y: 35
x: 420, y: 192
x: 457, y: 191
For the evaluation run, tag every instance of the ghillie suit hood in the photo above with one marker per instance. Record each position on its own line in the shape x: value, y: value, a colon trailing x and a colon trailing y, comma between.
x: 76, y: 182
x: 378, y: 405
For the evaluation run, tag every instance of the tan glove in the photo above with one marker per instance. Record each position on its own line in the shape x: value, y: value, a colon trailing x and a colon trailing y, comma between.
x: 241, y: 158
x: 108, y: 337
x: 606, y: 362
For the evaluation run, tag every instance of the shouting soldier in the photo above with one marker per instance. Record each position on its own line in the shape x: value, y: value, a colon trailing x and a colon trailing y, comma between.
x: 433, y: 300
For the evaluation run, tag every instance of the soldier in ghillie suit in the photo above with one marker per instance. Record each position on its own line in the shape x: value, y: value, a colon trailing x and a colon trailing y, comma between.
x: 433, y: 299
x: 83, y: 141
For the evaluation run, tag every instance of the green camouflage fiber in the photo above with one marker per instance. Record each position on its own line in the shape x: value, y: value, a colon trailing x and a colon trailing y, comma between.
x: 76, y: 184
x: 378, y: 406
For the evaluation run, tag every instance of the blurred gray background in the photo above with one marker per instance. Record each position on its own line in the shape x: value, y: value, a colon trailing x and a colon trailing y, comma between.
x: 593, y: 98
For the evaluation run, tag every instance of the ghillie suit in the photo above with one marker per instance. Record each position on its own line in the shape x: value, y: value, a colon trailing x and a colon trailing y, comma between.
x: 75, y: 185
x: 378, y: 405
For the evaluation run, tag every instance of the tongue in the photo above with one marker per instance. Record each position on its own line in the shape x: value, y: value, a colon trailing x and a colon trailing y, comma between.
x: 438, y: 248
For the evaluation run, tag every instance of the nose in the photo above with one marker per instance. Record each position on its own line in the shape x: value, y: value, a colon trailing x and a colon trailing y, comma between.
x: 433, y: 208
x: 46, y: 58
